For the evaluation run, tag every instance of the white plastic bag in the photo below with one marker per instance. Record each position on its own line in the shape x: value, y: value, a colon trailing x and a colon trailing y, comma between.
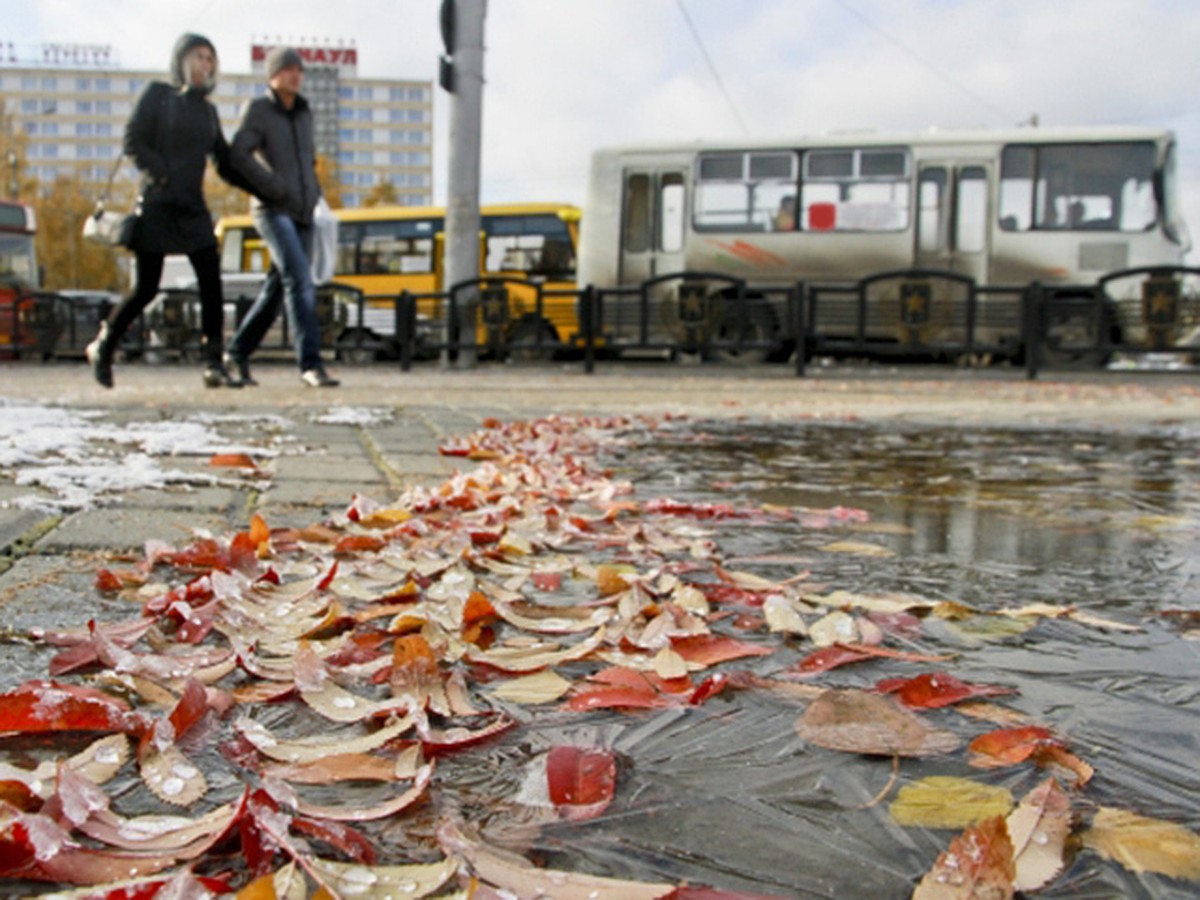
x: 325, y: 242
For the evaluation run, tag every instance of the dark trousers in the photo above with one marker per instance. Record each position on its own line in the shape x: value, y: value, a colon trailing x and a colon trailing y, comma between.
x: 207, y: 266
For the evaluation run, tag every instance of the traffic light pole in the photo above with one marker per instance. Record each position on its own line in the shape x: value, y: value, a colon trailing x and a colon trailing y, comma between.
x: 462, y: 76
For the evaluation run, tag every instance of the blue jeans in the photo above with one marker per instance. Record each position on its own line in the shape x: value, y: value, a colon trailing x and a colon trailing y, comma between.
x: 289, y: 280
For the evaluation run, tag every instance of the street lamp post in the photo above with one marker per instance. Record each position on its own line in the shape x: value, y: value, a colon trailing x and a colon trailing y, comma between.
x: 14, y: 186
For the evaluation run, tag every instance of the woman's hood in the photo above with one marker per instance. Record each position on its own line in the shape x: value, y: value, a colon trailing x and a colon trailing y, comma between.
x: 187, y: 43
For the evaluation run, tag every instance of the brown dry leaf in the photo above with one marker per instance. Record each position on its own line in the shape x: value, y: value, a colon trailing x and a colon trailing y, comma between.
x: 978, y: 865
x: 943, y: 801
x: 1038, y: 829
x: 537, y: 655
x: 540, y: 687
x: 858, y: 548
x: 303, y: 750
x: 171, y: 777
x: 101, y: 760
x: 860, y: 722
x: 991, y: 712
x: 357, y: 880
x: 1144, y: 845
x: 835, y: 627
x: 882, y: 603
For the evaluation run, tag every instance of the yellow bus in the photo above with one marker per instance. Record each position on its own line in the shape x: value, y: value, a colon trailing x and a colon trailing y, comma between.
x: 385, y: 250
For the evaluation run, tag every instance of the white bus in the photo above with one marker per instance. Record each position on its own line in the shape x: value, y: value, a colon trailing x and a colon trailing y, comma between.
x: 1059, y: 206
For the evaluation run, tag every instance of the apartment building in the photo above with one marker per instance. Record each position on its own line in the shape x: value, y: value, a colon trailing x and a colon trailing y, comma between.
x: 72, y: 103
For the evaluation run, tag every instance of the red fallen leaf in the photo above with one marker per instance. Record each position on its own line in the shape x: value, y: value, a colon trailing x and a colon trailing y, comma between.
x: 18, y: 795
x: 844, y: 654
x: 719, y: 592
x: 206, y: 553
x: 435, y: 741
x: 978, y: 863
x: 349, y: 841
x: 479, y: 538
x: 937, y: 689
x: 232, y: 461
x: 46, y: 706
x: 547, y: 581
x: 107, y: 581
x: 709, y: 687
x: 190, y: 709
x: 617, y: 698
x: 194, y: 622
x: 710, y: 649
x: 581, y: 781
x: 358, y: 543
x: 668, y: 507
x: 329, y: 576
x: 362, y: 647
x: 1009, y: 746
x: 243, y: 552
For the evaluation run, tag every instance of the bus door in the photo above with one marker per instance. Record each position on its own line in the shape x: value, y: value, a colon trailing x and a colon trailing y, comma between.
x: 653, y: 217
x: 952, y: 218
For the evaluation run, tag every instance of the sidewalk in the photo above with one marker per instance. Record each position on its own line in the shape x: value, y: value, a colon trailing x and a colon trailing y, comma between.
x: 380, y: 433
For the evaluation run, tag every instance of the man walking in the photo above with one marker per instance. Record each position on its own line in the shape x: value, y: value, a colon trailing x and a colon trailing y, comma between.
x: 273, y: 150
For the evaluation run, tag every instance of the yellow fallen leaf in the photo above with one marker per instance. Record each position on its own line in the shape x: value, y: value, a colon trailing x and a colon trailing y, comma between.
x: 943, y: 801
x: 858, y: 548
x: 1144, y: 845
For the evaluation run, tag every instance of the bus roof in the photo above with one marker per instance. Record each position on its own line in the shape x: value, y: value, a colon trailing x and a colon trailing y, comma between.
x: 564, y: 211
x: 932, y: 137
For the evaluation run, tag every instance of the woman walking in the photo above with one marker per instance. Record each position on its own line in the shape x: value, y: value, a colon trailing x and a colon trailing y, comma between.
x: 172, y: 132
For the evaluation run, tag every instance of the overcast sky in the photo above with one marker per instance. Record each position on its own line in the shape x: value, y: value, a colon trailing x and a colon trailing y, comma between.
x: 566, y: 76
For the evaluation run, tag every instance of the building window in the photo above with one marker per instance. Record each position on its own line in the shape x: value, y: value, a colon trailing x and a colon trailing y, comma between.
x: 29, y: 83
x: 345, y: 93
x: 260, y: 90
x: 103, y: 107
x: 136, y: 85
x: 29, y: 106
x: 50, y: 151
x: 345, y: 134
x: 416, y: 95
x: 104, y: 129
x: 364, y: 157
x: 396, y: 115
x: 347, y: 178
x: 415, y: 115
x: 50, y: 128
x: 49, y: 107
x: 85, y: 151
x: 83, y: 107
x: 365, y: 135
x: 345, y: 112
x: 243, y: 88
x: 84, y: 129
x: 414, y: 137
x: 103, y: 85
x: 83, y: 84
x: 49, y: 83
x: 365, y: 93
x: 346, y: 157
x: 363, y: 114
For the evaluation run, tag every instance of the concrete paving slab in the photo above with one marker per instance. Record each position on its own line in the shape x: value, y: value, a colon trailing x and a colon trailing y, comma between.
x: 114, y: 528
x: 322, y: 494
x: 17, y: 524
x: 320, y: 467
x: 217, y: 499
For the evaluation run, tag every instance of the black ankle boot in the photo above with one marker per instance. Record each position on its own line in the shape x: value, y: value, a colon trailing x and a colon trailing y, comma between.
x: 216, y: 375
x: 241, y: 367
x: 99, y: 353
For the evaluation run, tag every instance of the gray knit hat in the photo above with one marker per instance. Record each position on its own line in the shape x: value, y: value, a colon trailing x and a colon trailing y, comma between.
x: 281, y: 58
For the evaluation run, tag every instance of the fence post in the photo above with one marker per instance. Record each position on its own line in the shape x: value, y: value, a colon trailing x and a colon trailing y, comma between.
x: 1033, y: 326
x: 800, y: 328
x: 404, y: 328
x: 587, y: 322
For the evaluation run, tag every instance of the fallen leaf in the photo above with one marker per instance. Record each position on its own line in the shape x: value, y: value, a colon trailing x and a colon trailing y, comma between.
x: 1009, y: 746
x: 937, y: 689
x: 1038, y: 828
x: 581, y: 781
x: 862, y: 722
x: 232, y: 461
x: 977, y: 866
x: 943, y: 801
x: 1141, y: 844
x: 540, y: 687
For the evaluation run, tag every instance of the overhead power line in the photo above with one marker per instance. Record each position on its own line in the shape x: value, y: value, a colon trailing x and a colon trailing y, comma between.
x: 711, y: 66
x: 920, y: 60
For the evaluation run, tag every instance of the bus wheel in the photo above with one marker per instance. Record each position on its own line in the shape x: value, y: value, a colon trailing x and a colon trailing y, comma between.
x: 357, y: 348
x: 532, y: 340
x: 760, y: 329
x: 1073, y: 336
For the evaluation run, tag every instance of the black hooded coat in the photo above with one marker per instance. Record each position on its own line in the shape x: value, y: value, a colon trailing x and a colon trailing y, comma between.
x: 172, y: 132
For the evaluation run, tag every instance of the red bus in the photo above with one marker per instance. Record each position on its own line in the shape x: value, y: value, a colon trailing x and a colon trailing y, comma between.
x: 18, y: 277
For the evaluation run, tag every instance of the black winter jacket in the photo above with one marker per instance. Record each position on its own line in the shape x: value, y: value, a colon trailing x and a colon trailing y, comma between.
x: 170, y: 136
x: 273, y: 151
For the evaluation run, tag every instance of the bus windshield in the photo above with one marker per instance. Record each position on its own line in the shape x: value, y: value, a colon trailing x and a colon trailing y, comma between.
x: 17, y: 260
x: 1078, y: 187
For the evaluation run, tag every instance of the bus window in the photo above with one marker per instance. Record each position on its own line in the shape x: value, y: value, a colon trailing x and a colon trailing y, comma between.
x: 231, y: 250
x: 970, y: 214
x: 855, y: 190
x: 671, y: 216
x: 1086, y: 187
x: 529, y: 244
x: 390, y: 248
x: 931, y: 214
x: 743, y: 191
